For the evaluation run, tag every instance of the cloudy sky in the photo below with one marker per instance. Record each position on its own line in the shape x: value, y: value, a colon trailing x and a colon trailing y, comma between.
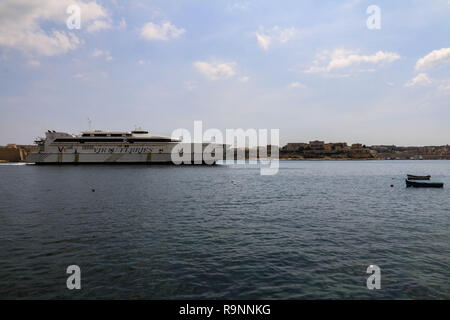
x: 312, y: 69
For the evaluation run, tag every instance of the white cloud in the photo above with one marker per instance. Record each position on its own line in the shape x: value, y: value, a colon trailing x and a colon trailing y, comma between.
x: 445, y: 85
x: 79, y: 76
x: 420, y: 80
x: 287, y: 34
x: 99, y: 25
x: 97, y: 53
x: 434, y: 58
x: 352, y: 4
x: 190, y: 85
x: 244, y: 79
x: 122, y: 24
x: 266, y: 38
x: 297, y: 85
x: 165, y: 31
x: 343, y: 59
x: 239, y: 5
x: 33, y: 63
x: 216, y: 70
x: 263, y: 40
x: 102, y: 53
x: 20, y: 24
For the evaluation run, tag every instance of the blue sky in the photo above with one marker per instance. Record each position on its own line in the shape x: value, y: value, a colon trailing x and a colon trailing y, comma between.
x: 309, y: 68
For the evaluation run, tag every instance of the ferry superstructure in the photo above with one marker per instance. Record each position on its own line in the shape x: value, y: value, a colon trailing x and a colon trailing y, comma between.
x: 99, y: 146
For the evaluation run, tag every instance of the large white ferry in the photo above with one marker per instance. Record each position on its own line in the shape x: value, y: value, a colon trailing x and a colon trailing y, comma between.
x: 98, y: 146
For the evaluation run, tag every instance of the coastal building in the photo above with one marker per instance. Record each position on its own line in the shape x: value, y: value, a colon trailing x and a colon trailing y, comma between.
x: 413, y: 152
x: 317, y: 145
x: 15, y: 153
x: 290, y: 147
x: 338, y: 147
x: 357, y: 146
x: 320, y: 150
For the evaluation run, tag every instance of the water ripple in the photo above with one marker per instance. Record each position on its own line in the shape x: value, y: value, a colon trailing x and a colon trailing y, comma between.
x: 308, y: 232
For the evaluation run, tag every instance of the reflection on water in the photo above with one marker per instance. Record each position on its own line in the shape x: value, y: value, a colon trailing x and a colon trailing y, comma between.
x: 219, y: 232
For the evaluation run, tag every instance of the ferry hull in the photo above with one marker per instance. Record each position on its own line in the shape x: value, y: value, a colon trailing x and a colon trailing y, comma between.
x: 89, y: 158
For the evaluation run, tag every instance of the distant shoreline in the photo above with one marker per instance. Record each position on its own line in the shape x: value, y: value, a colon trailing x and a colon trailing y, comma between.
x: 288, y: 159
x: 330, y: 159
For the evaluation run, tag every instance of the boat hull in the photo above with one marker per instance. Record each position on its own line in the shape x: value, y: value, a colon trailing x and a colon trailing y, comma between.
x: 415, y: 184
x: 58, y: 158
x: 91, y: 158
x: 413, y: 177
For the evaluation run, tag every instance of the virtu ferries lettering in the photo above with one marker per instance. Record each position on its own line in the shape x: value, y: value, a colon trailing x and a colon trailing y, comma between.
x: 127, y: 149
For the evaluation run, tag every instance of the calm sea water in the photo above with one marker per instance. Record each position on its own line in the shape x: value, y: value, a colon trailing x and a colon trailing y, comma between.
x: 164, y: 232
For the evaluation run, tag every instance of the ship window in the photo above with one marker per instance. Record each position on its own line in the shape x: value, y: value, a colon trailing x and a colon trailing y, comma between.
x: 101, y: 140
x: 66, y: 140
x: 116, y: 134
x: 151, y: 140
x: 74, y: 140
x: 100, y: 135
